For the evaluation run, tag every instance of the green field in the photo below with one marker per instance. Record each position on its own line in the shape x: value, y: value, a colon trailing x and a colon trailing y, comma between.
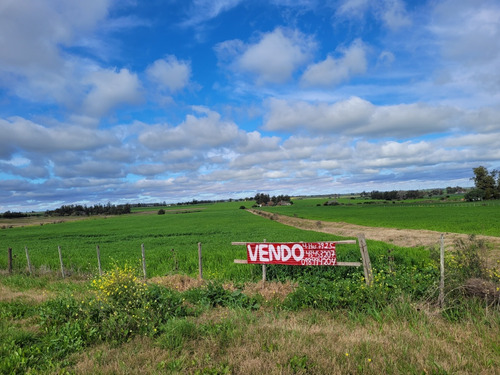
x: 215, y: 226
x: 457, y: 217
x: 181, y: 229
x: 304, y: 320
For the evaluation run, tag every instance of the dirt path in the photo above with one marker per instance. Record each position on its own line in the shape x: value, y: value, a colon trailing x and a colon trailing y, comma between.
x: 398, y: 237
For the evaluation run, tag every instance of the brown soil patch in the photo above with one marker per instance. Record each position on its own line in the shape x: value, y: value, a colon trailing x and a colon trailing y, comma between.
x: 398, y: 237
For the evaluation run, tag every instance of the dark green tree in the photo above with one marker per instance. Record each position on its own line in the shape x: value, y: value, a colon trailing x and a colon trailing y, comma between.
x: 486, y: 181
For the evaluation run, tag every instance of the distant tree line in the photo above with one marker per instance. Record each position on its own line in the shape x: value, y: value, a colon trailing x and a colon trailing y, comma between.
x: 261, y: 198
x: 12, y: 215
x: 84, y: 210
x: 487, y: 185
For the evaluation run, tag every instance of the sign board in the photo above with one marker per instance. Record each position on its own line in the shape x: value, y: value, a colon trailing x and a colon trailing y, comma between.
x: 292, y: 253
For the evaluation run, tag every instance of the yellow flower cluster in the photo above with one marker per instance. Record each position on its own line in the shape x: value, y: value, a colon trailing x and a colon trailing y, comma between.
x: 494, y: 274
x: 119, y: 284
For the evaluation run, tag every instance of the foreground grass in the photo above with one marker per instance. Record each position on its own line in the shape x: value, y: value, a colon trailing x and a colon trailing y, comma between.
x: 205, y: 329
x: 228, y: 341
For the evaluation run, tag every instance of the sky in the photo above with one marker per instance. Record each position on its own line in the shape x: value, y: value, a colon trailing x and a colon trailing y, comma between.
x: 173, y: 100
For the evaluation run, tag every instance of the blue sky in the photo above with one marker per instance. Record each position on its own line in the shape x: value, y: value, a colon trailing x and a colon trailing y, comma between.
x: 170, y: 100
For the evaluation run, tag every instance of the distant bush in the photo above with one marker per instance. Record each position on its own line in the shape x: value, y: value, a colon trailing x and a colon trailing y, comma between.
x: 161, y: 211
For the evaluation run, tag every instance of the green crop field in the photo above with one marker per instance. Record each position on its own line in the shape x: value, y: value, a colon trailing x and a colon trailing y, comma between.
x: 181, y: 228
x: 171, y: 240
x: 315, y: 319
x: 462, y: 217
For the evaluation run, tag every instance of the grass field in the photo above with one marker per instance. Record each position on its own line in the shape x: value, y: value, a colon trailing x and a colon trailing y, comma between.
x: 305, y: 320
x: 120, y: 239
x: 462, y: 217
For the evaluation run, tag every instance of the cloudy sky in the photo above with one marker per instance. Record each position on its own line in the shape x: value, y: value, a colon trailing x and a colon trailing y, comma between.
x: 174, y: 100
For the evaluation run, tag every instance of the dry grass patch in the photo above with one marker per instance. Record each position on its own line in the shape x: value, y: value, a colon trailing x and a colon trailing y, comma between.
x: 270, y: 290
x: 226, y: 341
x: 177, y: 282
x: 139, y: 356
x: 32, y: 295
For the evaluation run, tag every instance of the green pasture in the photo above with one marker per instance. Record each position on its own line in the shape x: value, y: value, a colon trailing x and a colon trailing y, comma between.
x: 171, y: 240
x: 457, y: 217
x: 119, y: 238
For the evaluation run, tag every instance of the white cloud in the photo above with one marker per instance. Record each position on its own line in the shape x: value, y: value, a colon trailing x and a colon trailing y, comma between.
x: 359, y: 117
x: 21, y: 134
x: 468, y: 34
x: 36, y: 28
x: 391, y: 13
x: 35, y: 33
x: 199, y: 132
x: 331, y: 71
x: 273, y: 58
x: 344, y: 115
x: 110, y: 89
x: 90, y: 168
x: 170, y: 73
x: 205, y: 10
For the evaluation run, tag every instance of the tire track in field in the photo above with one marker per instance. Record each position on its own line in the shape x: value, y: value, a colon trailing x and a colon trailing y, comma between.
x: 398, y: 237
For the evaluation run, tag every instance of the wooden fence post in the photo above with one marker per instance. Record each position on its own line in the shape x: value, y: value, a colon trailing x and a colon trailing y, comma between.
x: 28, y: 260
x: 61, y: 261
x: 99, y: 260
x: 367, y: 265
x: 441, y: 282
x: 143, y: 261
x: 200, y: 264
x: 264, y: 270
x: 9, y: 258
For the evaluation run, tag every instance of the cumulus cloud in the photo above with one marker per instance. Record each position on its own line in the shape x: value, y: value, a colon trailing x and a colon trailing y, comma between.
x: 273, y: 58
x: 170, y: 73
x: 358, y: 117
x: 24, y: 135
x: 469, y: 42
x: 36, y: 28
x: 332, y: 71
x: 110, y: 89
x: 201, y: 132
x: 33, y: 61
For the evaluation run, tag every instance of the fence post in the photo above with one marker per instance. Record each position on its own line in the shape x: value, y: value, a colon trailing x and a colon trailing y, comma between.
x: 61, y: 261
x: 367, y: 265
x: 99, y: 260
x: 441, y: 281
x: 28, y: 260
x: 200, y: 265
x: 264, y: 270
x: 9, y: 258
x: 143, y: 261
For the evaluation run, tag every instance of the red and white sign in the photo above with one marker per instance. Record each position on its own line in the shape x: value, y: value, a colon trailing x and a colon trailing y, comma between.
x: 293, y: 253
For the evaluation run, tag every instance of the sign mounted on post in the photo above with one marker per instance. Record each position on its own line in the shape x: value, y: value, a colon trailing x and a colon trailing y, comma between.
x: 292, y: 253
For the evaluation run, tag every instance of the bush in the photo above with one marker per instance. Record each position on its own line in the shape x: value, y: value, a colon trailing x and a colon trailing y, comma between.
x: 161, y: 211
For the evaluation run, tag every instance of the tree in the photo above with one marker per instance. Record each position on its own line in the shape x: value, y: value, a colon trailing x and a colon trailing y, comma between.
x: 262, y: 198
x: 474, y: 195
x: 488, y: 182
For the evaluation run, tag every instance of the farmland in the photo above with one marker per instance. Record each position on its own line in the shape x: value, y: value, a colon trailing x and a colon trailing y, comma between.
x: 231, y: 322
x: 455, y: 217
